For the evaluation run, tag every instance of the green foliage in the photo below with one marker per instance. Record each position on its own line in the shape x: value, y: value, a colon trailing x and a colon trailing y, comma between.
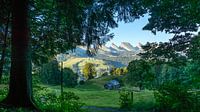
x: 137, y: 101
x: 125, y: 100
x: 5, y: 79
x: 193, y: 71
x: 165, y: 72
x: 194, y: 49
x: 165, y: 53
x: 112, y: 71
x: 118, y: 71
x: 50, y: 74
x: 193, y: 65
x: 173, y: 96
x: 55, y: 27
x: 70, y: 78
x: 89, y: 71
x: 50, y: 100
x: 173, y: 16
x: 71, y: 102
x: 3, y: 92
x: 139, y: 74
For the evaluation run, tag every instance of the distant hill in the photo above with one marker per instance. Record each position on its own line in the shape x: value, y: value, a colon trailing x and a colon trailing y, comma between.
x: 77, y: 64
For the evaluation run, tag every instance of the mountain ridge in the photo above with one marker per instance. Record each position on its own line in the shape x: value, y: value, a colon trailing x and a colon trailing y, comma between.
x: 117, y: 56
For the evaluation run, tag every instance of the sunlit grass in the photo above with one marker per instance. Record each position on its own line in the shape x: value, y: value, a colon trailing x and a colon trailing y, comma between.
x: 100, y: 64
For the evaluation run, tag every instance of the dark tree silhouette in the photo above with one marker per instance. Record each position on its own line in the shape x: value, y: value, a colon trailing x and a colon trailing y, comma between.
x: 20, y: 90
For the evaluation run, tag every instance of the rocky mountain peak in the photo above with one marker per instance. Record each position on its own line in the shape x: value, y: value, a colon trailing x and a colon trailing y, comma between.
x: 139, y: 45
x: 127, y: 46
x: 115, y: 47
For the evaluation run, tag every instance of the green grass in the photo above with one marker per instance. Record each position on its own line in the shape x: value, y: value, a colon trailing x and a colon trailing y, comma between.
x: 92, y: 93
x: 101, y: 98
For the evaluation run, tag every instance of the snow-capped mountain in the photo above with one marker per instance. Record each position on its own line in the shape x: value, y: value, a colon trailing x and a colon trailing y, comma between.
x: 113, y: 54
x: 125, y: 49
x: 128, y: 47
x: 114, y: 47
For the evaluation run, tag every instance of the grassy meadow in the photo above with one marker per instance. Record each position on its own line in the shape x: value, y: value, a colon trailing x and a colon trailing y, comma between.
x: 93, y: 94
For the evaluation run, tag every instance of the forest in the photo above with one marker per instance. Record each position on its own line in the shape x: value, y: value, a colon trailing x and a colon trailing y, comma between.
x: 165, y: 76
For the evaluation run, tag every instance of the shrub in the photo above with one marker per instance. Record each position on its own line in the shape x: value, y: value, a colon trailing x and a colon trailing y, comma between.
x: 50, y: 101
x: 71, y: 102
x: 175, y: 97
x: 125, y: 100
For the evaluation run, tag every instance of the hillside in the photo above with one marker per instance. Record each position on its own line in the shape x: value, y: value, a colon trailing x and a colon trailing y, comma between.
x: 77, y: 64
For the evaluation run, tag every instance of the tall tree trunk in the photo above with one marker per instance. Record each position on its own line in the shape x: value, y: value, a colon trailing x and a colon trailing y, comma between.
x: 20, y: 87
x: 3, y: 53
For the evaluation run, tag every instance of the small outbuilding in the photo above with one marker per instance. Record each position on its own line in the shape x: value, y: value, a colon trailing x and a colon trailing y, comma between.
x: 112, y: 84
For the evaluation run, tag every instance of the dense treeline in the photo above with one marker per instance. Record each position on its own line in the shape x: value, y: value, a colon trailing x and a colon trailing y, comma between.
x: 175, y: 80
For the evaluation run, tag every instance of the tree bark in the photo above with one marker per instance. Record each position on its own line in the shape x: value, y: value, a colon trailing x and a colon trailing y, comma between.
x: 3, y: 53
x: 20, y: 87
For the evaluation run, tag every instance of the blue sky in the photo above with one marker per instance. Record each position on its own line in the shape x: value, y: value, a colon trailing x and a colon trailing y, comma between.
x: 133, y: 33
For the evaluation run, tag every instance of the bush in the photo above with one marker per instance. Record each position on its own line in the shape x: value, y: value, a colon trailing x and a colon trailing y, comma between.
x: 71, y: 102
x: 125, y: 100
x: 50, y: 101
x: 50, y: 74
x: 175, y: 97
